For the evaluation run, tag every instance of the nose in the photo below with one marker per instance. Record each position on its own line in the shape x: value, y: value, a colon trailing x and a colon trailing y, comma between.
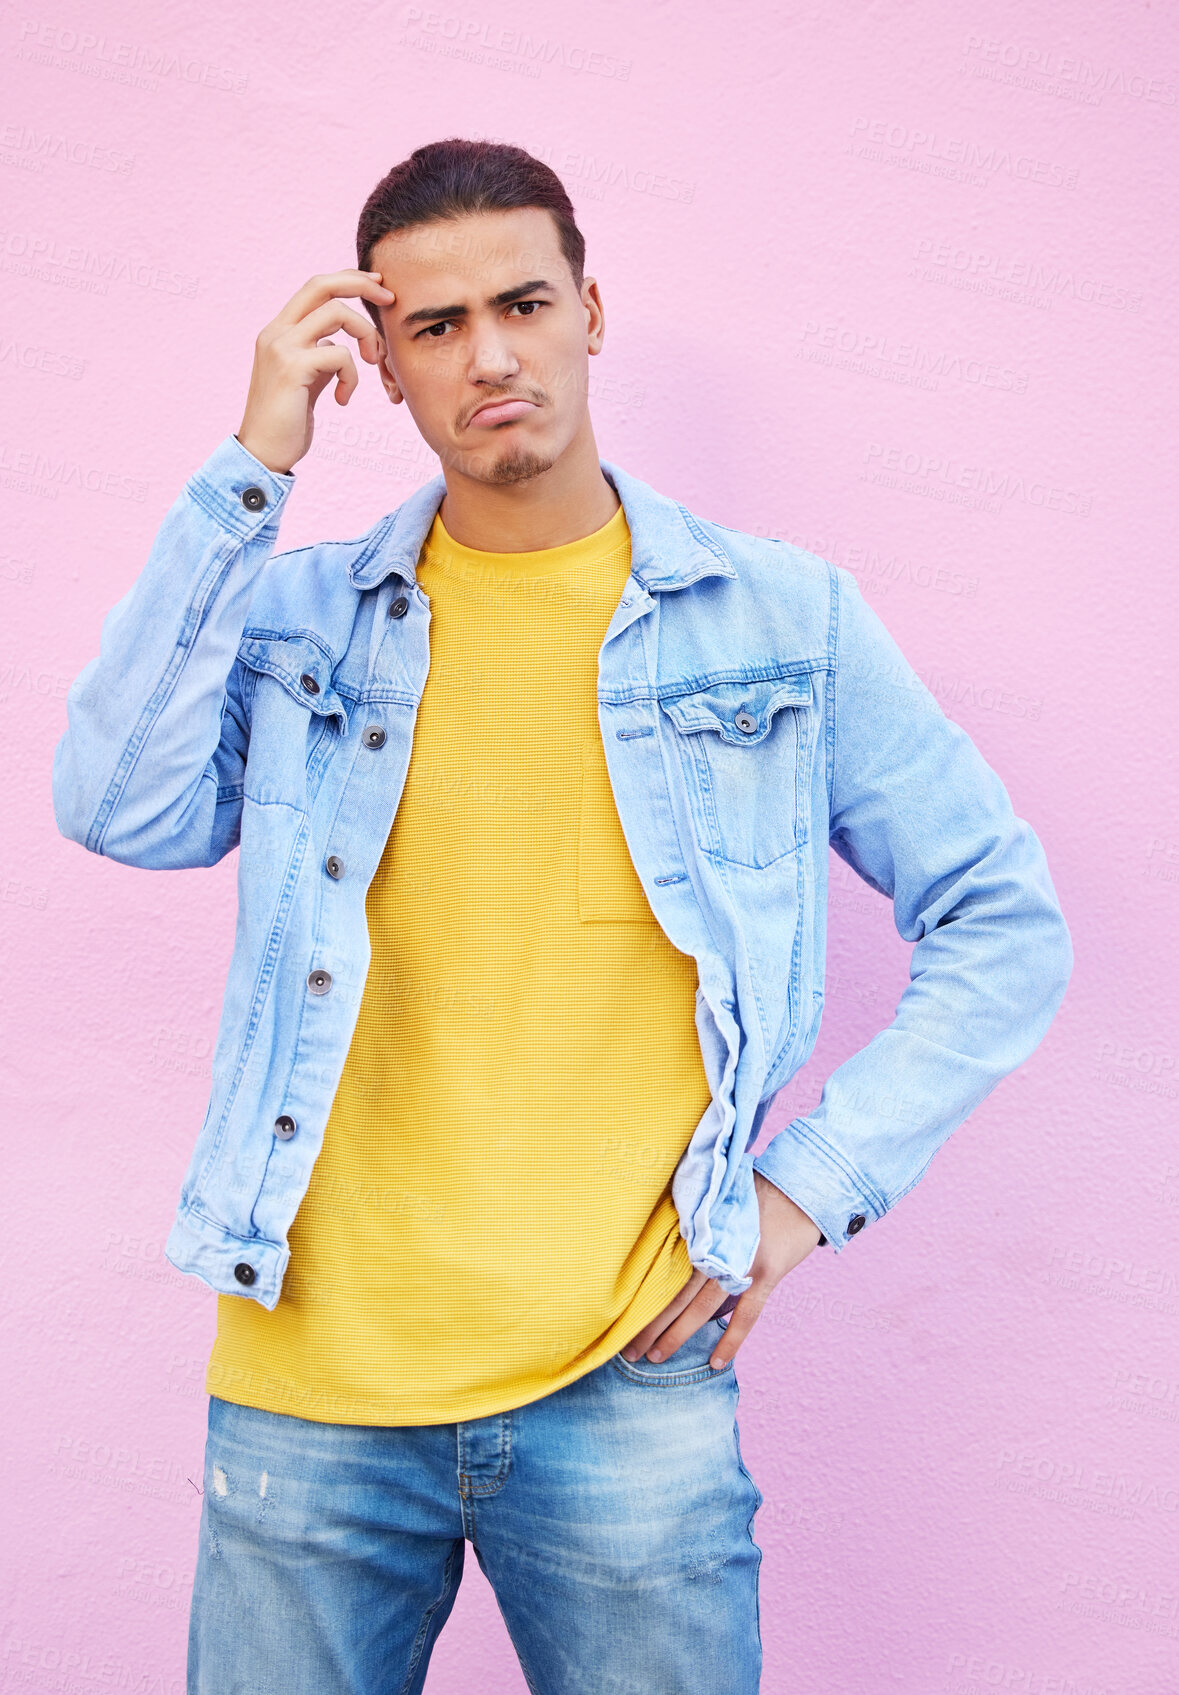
x: 492, y: 358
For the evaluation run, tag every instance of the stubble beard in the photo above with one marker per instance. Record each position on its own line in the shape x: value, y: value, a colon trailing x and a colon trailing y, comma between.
x: 517, y: 465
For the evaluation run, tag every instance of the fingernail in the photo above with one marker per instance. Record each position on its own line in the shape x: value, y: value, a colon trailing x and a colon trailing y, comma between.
x: 654, y: 1354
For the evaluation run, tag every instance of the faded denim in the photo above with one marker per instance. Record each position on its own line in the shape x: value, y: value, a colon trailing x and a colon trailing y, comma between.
x: 753, y: 709
x: 613, y: 1519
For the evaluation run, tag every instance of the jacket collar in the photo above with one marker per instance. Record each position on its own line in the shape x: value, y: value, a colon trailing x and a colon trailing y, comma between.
x: 669, y: 549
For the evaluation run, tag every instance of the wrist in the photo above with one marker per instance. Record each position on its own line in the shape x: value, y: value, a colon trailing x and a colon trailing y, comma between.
x: 275, y: 462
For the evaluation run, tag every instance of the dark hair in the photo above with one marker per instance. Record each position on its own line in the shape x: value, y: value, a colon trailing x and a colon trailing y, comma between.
x: 451, y: 179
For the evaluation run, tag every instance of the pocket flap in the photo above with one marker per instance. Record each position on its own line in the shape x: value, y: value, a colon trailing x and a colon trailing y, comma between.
x: 740, y: 712
x: 289, y: 659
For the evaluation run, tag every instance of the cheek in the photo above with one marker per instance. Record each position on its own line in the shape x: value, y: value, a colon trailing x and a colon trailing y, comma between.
x: 435, y: 365
x: 430, y: 383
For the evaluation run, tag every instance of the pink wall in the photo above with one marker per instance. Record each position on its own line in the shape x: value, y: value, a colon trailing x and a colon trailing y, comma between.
x: 891, y: 282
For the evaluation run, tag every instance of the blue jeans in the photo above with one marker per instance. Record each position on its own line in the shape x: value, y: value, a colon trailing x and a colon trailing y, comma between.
x: 613, y: 1519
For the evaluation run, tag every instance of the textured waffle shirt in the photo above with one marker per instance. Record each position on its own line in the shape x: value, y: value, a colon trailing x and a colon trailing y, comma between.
x: 490, y: 1216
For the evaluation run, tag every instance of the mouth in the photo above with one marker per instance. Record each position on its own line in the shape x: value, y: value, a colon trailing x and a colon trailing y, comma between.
x: 500, y: 412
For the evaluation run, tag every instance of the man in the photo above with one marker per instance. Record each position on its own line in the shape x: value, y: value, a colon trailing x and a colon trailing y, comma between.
x: 533, y: 783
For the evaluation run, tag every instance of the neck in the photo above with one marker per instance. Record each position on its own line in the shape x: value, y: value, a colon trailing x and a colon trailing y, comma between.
x: 570, y: 500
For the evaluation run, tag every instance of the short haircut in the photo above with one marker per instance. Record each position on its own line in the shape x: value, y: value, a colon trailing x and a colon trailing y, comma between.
x: 455, y: 178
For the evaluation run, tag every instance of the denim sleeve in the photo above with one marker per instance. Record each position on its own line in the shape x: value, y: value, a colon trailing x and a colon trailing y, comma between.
x: 149, y: 769
x: 918, y: 813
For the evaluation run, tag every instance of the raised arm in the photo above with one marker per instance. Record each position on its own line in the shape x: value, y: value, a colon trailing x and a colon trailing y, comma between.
x: 150, y: 767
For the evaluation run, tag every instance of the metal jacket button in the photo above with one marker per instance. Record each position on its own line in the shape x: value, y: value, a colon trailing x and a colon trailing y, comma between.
x: 373, y: 736
x: 399, y: 607
x: 333, y: 866
x: 856, y: 1223
x: 285, y: 1127
x: 319, y: 982
x: 244, y: 1273
x: 745, y: 721
x: 253, y: 498
x: 309, y: 683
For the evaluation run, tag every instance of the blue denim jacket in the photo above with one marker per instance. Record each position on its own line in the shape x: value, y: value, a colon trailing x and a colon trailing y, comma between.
x: 752, y: 708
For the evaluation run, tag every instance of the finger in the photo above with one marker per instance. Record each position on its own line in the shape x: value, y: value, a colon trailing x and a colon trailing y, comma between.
x: 741, y: 1321
x: 641, y: 1341
x: 326, y: 286
x: 672, y: 1328
x: 348, y: 380
x: 687, y: 1324
x: 325, y: 321
x: 331, y: 361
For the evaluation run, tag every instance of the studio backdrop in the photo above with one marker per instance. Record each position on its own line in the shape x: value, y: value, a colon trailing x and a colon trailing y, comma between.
x: 894, y: 284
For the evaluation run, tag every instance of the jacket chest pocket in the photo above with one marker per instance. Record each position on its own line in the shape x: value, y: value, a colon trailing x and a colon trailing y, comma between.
x: 291, y: 702
x: 744, y: 749
x: 608, y: 886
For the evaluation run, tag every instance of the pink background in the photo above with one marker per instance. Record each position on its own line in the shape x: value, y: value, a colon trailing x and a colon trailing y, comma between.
x: 891, y: 282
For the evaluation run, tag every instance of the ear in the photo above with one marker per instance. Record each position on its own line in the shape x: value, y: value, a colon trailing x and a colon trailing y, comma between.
x: 595, y: 316
x: 387, y: 375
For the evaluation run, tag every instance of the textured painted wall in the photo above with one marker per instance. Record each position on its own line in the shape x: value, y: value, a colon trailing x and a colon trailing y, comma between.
x: 892, y: 282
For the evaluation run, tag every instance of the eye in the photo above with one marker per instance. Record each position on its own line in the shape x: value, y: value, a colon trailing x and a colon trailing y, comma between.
x: 430, y: 328
x: 516, y: 303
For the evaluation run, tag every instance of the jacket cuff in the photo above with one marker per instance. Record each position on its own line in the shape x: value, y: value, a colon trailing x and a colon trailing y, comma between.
x: 812, y: 1176
x: 241, y: 493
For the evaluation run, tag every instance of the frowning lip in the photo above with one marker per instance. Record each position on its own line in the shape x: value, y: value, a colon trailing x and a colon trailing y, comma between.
x: 501, y: 411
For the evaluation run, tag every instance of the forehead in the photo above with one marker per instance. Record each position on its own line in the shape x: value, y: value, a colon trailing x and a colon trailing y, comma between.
x: 484, y: 252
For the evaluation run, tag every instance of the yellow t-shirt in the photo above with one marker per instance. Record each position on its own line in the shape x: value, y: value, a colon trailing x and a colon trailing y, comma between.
x: 490, y: 1215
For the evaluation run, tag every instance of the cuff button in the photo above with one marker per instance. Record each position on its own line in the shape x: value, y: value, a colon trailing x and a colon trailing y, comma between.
x: 253, y: 498
x: 244, y: 1273
x: 856, y: 1223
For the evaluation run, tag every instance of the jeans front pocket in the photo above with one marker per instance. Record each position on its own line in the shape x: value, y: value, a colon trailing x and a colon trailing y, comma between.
x: 688, y: 1365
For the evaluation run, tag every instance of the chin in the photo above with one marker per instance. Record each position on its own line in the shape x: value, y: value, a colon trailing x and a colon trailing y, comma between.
x: 510, y: 464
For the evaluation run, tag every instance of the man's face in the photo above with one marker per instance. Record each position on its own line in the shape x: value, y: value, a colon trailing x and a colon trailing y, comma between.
x: 486, y: 315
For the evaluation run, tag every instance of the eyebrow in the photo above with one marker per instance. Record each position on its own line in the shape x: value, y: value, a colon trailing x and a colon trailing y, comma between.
x: 428, y: 314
